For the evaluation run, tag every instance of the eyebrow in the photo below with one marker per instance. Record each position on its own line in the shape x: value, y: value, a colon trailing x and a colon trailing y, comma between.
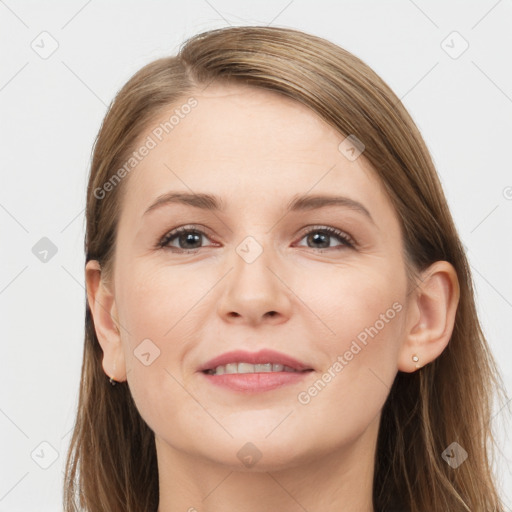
x: 297, y: 203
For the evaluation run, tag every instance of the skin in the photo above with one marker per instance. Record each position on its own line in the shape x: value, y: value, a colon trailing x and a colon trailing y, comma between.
x: 243, y: 145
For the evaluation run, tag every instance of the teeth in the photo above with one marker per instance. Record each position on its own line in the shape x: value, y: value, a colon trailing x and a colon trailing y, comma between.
x: 250, y: 368
x: 231, y: 368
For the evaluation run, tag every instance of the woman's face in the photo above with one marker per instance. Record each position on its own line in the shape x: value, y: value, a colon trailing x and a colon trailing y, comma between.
x: 322, y: 282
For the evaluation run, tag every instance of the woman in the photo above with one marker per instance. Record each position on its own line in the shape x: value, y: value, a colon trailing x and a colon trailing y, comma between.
x: 280, y: 313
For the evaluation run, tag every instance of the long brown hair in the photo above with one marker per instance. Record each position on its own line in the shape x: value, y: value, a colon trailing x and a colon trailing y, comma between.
x: 111, y: 464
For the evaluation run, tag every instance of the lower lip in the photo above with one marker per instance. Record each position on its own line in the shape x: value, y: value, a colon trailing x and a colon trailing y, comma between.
x: 256, y: 382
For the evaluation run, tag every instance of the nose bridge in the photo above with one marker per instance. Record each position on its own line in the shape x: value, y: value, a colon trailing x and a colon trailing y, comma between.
x: 253, y: 289
x: 251, y: 266
x: 256, y: 246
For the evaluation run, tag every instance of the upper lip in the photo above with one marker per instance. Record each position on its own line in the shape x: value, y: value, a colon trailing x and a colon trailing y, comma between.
x: 261, y: 357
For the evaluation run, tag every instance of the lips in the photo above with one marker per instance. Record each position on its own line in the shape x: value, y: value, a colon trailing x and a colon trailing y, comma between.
x: 264, y: 356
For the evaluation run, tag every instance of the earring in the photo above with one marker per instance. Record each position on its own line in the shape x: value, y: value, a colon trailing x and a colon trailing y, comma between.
x: 415, y: 358
x: 112, y: 381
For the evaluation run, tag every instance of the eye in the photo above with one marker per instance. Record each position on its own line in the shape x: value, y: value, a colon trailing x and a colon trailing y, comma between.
x: 321, y: 236
x: 190, y: 238
x: 187, y: 238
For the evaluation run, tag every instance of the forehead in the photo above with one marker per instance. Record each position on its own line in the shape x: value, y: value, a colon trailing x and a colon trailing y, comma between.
x: 260, y: 124
x: 246, y: 143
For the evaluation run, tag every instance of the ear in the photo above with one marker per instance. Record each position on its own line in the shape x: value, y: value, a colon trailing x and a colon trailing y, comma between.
x: 431, y: 316
x: 103, y: 309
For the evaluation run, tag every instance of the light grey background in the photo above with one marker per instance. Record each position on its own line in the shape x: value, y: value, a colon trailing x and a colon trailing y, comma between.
x: 51, y: 109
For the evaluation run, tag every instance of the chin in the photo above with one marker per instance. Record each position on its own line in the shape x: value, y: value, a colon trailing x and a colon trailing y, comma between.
x: 249, y: 453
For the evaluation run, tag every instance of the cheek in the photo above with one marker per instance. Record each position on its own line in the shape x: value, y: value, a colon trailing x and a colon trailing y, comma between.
x: 156, y: 306
x: 366, y: 313
x: 340, y: 309
x: 349, y: 312
x: 357, y: 304
x: 152, y: 298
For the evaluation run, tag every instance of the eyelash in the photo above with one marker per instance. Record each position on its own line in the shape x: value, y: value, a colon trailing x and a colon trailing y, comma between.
x: 347, y: 241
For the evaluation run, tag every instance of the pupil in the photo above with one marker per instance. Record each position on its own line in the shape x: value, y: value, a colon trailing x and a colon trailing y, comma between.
x: 190, y: 238
x: 196, y: 238
x: 318, y: 237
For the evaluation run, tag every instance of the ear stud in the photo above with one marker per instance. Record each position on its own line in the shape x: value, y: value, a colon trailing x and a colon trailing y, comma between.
x: 415, y: 358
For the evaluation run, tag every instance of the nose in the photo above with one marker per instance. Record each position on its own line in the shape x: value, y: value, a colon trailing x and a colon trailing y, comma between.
x: 254, y: 292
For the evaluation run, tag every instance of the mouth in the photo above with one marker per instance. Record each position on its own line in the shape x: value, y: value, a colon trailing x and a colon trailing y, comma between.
x: 254, y: 372
x: 264, y: 361
x: 244, y: 367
